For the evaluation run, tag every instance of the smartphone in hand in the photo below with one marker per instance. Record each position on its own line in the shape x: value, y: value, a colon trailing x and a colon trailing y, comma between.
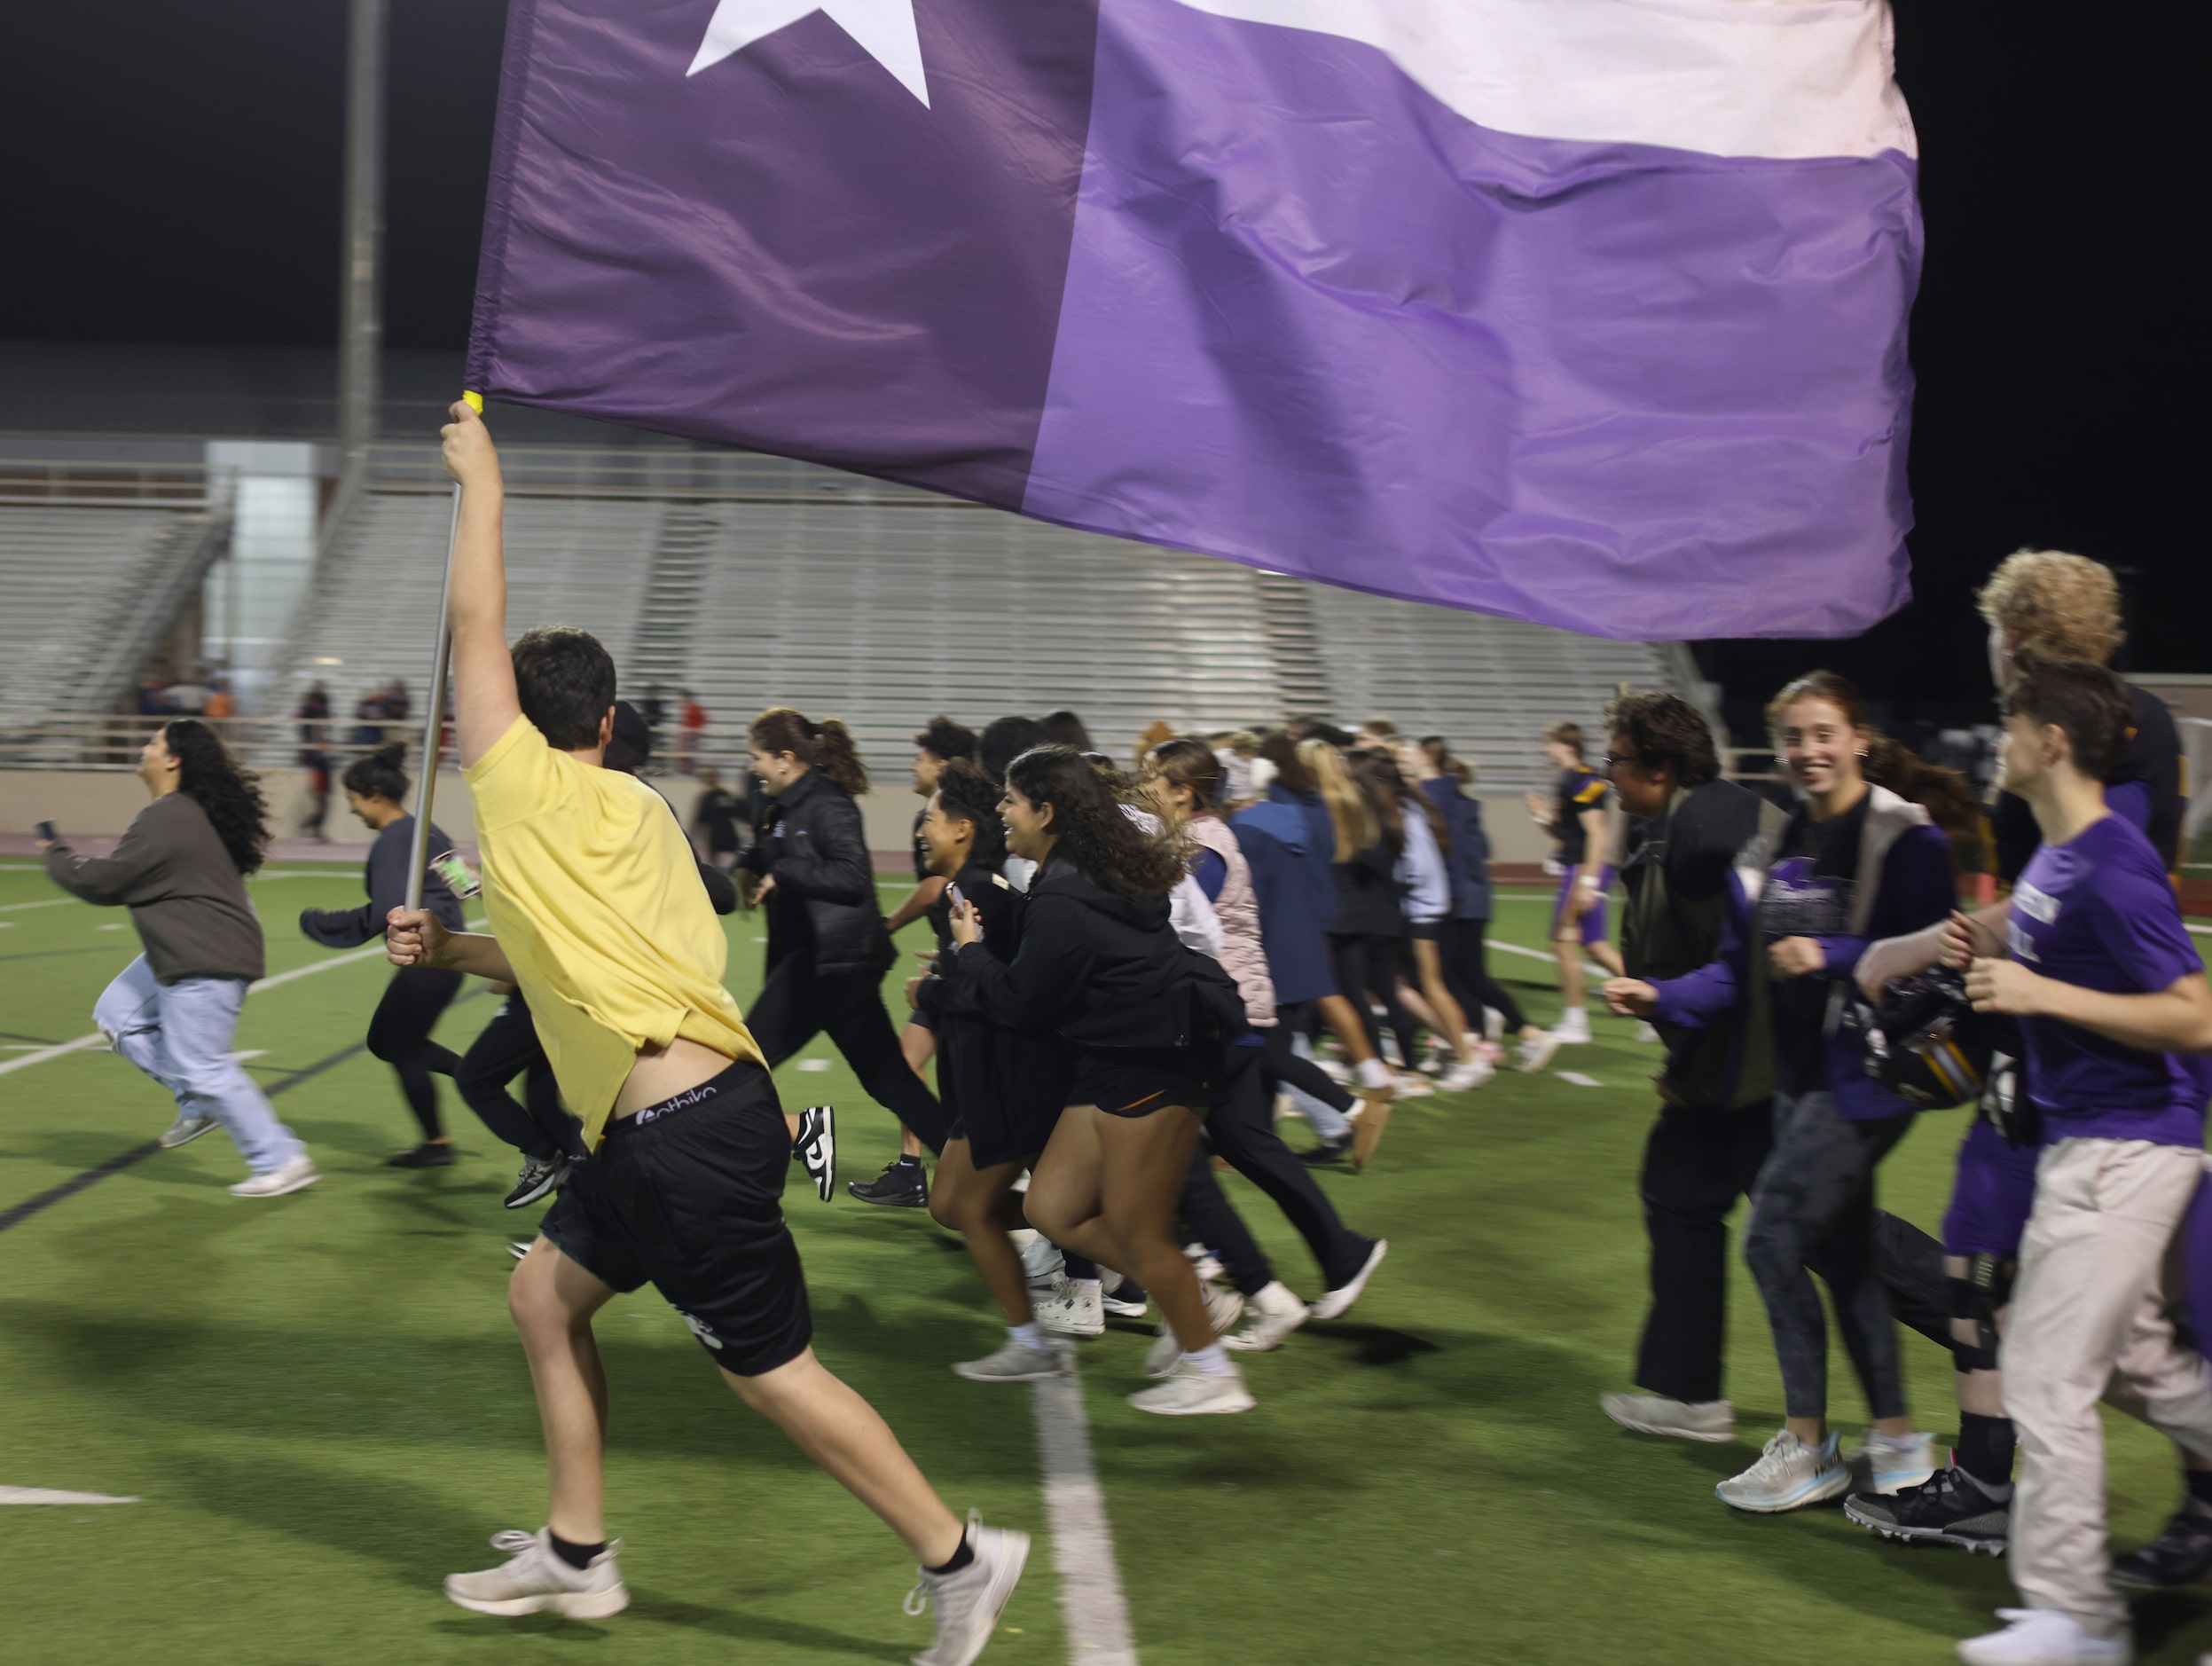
x: 47, y: 832
x: 952, y: 892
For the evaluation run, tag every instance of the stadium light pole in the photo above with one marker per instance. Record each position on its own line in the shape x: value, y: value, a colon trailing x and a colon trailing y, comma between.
x: 360, y: 293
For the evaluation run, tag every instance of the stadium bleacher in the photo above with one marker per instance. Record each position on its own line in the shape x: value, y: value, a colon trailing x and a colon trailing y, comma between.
x: 883, y: 606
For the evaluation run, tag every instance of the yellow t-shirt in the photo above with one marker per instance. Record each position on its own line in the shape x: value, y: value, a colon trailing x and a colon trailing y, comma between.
x: 594, y: 894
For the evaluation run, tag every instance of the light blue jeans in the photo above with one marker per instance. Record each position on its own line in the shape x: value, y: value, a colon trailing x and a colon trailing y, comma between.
x: 180, y: 1035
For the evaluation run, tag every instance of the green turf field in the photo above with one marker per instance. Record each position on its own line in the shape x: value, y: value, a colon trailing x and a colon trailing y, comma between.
x: 321, y: 1404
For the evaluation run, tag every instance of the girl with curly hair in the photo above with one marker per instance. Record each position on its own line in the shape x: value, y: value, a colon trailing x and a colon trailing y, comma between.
x: 1099, y: 966
x: 180, y: 868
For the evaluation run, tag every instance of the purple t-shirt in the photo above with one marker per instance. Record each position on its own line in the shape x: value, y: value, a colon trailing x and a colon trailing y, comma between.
x: 2098, y: 912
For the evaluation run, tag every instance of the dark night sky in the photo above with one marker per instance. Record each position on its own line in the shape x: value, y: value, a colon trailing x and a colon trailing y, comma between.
x: 177, y: 179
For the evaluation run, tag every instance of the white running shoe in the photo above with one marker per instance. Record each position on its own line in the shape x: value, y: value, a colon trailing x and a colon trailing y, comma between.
x: 1110, y: 1285
x: 1573, y: 1027
x: 1462, y: 1078
x: 536, y: 1581
x: 1187, y: 1392
x: 1223, y: 1307
x: 1333, y: 1302
x: 1531, y: 1053
x: 1410, y: 1086
x: 299, y: 1173
x: 1074, y: 1309
x: 1018, y: 1362
x: 1789, y: 1475
x: 1657, y: 1414
x: 1890, y: 1465
x: 1270, y: 1315
x: 184, y: 1130
x: 969, y: 1603
x: 2043, y: 1637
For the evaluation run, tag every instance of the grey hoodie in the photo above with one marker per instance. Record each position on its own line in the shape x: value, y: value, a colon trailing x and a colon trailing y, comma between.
x: 185, y: 895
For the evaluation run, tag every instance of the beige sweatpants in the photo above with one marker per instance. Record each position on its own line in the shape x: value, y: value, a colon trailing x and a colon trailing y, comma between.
x: 2089, y: 1323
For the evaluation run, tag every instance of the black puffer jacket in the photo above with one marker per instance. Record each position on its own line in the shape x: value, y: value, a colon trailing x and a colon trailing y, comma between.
x: 1100, y: 969
x: 814, y: 846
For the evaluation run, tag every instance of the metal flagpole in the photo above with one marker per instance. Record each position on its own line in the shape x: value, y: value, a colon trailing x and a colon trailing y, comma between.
x: 434, y: 718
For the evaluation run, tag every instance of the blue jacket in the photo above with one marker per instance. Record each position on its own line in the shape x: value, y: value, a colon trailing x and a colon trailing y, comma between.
x: 1905, y: 883
x: 1468, y: 861
x: 1296, y: 897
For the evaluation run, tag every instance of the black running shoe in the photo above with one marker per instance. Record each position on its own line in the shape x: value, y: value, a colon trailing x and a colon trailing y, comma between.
x: 816, y: 1148
x: 1946, y: 1509
x: 1327, y: 1153
x: 904, y: 1184
x: 2180, y: 1555
x: 537, y: 1178
x: 429, y: 1154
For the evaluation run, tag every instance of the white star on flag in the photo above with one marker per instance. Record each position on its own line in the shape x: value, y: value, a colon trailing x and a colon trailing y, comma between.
x: 884, y: 29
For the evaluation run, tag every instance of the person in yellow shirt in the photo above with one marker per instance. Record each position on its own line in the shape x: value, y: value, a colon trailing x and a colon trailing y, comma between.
x: 598, y: 914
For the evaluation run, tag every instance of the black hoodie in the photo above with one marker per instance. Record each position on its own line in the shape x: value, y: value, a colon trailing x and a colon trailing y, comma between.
x: 1102, y: 970
x: 813, y: 845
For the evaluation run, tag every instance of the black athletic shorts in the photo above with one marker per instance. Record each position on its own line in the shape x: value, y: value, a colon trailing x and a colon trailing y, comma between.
x: 1422, y: 931
x: 920, y: 1017
x: 686, y: 1195
x: 1135, y: 1082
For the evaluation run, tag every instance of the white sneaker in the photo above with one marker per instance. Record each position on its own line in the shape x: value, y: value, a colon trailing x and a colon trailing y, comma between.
x: 1473, y: 1073
x: 2043, y: 1637
x: 1110, y: 1285
x: 969, y: 1603
x: 1789, y: 1475
x: 1074, y: 1309
x: 1531, y: 1053
x: 1270, y: 1315
x: 1334, y: 1303
x: 1888, y: 1465
x: 1657, y: 1414
x: 1408, y: 1086
x: 184, y: 1130
x: 1574, y: 1026
x: 1223, y: 1307
x: 536, y: 1581
x: 1187, y: 1392
x: 295, y: 1174
x: 1018, y: 1362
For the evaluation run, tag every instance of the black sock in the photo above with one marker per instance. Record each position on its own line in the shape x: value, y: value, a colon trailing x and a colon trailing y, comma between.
x: 2200, y: 1484
x: 905, y: 1161
x: 1985, y: 1447
x: 961, y: 1557
x: 577, y: 1556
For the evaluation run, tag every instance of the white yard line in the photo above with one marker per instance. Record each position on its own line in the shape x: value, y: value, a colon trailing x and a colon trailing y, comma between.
x: 1091, y: 1608
x: 44, y: 902
x: 1578, y: 1079
x: 41, y: 1494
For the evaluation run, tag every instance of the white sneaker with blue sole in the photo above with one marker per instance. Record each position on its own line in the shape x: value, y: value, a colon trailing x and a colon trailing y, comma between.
x: 1892, y: 1463
x: 1789, y: 1475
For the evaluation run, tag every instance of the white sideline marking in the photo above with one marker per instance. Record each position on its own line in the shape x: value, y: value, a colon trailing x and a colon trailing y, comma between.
x: 251, y: 1052
x: 40, y: 1495
x: 813, y: 1064
x: 44, y: 902
x: 1091, y: 1604
x: 1578, y: 1079
x: 308, y: 971
x: 2203, y: 930
x: 1537, y: 954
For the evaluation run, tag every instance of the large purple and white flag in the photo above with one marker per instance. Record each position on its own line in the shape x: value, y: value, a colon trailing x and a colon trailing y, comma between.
x: 1585, y: 312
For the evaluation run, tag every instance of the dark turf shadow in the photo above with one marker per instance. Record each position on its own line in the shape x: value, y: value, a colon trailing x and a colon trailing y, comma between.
x: 1376, y: 1344
x: 755, y: 1628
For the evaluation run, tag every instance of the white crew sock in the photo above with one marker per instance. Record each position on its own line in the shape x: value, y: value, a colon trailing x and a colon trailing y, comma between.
x: 1031, y: 1336
x: 1212, y: 1359
x: 1371, y: 1073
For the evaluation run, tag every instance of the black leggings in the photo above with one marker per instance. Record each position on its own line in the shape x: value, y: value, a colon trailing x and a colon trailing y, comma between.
x: 1369, y: 965
x: 797, y: 1003
x: 504, y: 1048
x: 1467, y: 974
x: 1282, y: 1067
x: 1240, y: 1129
x: 399, y: 1034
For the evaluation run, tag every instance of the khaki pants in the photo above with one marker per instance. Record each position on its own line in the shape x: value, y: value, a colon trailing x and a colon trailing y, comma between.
x: 2089, y: 1323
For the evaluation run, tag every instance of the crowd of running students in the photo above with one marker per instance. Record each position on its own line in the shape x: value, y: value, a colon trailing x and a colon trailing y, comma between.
x: 1138, y: 972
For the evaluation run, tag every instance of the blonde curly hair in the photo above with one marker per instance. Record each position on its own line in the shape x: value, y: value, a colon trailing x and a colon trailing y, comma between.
x: 2060, y: 606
